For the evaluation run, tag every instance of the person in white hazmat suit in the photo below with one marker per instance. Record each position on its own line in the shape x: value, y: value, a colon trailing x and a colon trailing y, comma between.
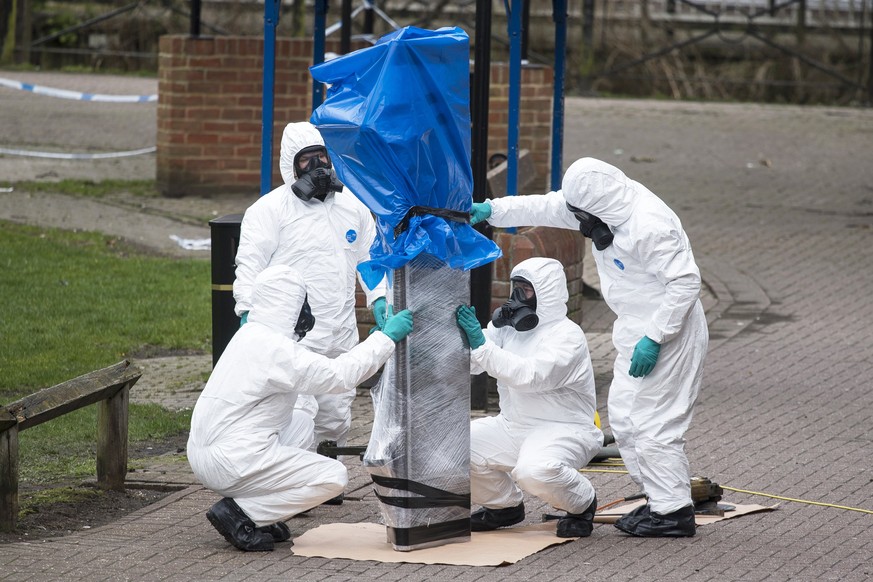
x: 650, y: 280
x: 315, y: 225
x: 247, y: 442
x: 545, y: 431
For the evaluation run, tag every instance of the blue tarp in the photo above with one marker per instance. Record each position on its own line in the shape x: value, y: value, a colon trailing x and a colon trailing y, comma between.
x: 396, y: 122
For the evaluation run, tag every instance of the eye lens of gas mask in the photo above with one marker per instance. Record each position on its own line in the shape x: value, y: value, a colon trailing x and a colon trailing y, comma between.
x: 306, y: 321
x: 311, y: 158
x: 520, y: 311
x: 592, y: 227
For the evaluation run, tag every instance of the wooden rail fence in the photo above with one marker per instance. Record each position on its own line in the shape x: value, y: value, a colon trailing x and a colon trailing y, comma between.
x: 110, y: 387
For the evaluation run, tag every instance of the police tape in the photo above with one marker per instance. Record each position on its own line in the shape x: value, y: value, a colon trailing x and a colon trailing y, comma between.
x: 65, y: 156
x: 64, y: 94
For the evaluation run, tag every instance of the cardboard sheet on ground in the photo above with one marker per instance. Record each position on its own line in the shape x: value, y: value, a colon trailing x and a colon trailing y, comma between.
x: 612, y: 514
x: 367, y: 541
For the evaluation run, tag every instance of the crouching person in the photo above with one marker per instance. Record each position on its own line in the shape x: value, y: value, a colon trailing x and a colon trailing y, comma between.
x: 246, y: 443
x: 545, y: 431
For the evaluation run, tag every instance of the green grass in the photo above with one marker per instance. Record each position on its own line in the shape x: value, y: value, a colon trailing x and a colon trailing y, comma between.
x: 88, y: 188
x: 77, y: 302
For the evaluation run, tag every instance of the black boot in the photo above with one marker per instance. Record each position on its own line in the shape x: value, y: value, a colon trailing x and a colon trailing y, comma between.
x: 489, y: 519
x: 279, y: 531
x: 236, y: 527
x: 676, y: 524
x: 338, y: 500
x: 630, y: 519
x: 577, y: 525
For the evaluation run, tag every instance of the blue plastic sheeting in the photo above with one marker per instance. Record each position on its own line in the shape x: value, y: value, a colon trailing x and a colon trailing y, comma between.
x: 396, y: 122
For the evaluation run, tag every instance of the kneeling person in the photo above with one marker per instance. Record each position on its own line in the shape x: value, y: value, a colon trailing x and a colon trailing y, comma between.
x: 247, y: 443
x: 545, y: 431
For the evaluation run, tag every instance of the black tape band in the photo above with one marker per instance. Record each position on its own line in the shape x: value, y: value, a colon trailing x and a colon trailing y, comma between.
x: 422, y: 534
x: 454, y: 215
x: 430, y: 496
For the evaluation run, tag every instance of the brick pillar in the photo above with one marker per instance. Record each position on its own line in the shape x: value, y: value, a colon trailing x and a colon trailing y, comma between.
x: 535, y: 117
x: 210, y: 114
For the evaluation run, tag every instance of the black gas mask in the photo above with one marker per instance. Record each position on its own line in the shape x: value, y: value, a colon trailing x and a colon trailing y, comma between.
x: 592, y: 227
x: 317, y: 178
x: 306, y: 321
x: 519, y: 312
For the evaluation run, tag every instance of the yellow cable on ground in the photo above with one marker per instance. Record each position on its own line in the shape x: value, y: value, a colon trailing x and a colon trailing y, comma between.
x: 797, y: 500
x: 734, y: 489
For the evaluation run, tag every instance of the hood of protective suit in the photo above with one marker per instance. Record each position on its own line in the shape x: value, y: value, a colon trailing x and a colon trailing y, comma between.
x: 601, y: 189
x: 296, y: 137
x: 550, y: 285
x: 277, y: 298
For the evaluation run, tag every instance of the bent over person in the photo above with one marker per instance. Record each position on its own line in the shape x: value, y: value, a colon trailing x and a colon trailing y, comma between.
x: 314, y: 224
x: 247, y: 442
x: 650, y: 280
x: 545, y: 431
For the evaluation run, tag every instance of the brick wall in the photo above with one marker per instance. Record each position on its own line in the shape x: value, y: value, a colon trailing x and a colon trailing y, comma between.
x: 209, y: 111
x: 535, y: 117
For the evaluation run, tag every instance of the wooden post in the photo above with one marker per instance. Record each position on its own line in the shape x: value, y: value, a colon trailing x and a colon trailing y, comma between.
x: 112, y: 417
x: 8, y: 471
x: 23, y: 35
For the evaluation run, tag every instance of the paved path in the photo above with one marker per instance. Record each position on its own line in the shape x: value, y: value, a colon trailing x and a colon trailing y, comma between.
x: 778, y: 203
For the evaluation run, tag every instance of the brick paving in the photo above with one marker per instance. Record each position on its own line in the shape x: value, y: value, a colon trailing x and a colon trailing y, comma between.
x: 778, y: 203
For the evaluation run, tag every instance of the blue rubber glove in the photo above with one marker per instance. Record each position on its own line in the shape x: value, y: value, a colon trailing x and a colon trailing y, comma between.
x: 380, y: 311
x: 243, y: 318
x: 397, y: 326
x: 481, y: 211
x: 468, y: 323
x: 645, y: 357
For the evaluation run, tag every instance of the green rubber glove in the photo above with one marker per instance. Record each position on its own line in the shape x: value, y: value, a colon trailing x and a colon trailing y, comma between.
x: 243, y: 318
x: 645, y: 357
x: 397, y: 326
x: 380, y: 311
x: 466, y: 317
x: 481, y: 211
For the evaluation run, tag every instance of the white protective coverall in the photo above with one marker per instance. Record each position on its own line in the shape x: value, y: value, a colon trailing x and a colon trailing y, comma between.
x: 246, y: 440
x: 650, y: 280
x: 545, y: 431
x: 325, y: 242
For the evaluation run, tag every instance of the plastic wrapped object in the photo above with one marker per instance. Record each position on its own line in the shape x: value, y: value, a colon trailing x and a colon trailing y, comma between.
x: 396, y: 122
x: 419, y: 451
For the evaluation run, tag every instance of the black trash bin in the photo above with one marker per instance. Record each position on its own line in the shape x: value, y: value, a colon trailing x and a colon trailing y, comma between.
x: 225, y: 240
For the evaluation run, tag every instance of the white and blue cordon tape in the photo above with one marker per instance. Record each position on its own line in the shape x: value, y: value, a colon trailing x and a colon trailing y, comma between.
x: 92, y: 97
x: 64, y: 94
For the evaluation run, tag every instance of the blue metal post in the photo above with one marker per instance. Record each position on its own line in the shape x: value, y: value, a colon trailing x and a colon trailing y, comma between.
x: 515, y: 14
x: 559, y: 14
x: 318, y: 33
x: 271, y: 20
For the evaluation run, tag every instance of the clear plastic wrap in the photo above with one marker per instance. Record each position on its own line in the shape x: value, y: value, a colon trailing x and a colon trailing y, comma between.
x: 419, y: 451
